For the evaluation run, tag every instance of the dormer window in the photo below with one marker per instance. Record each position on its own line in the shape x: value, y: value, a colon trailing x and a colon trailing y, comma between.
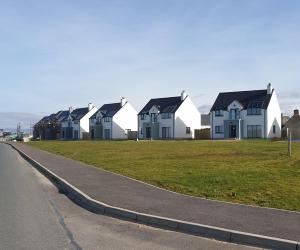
x: 107, y: 119
x: 254, y: 108
x: 165, y: 115
x: 153, y: 117
x: 219, y: 112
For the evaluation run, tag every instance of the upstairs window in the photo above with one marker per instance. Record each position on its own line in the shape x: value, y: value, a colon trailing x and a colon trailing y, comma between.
x: 219, y: 112
x: 254, y: 108
x: 165, y: 115
x: 107, y: 119
x: 254, y: 111
x: 143, y: 116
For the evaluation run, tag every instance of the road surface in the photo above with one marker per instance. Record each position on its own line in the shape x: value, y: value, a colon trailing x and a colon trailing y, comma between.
x: 33, y: 215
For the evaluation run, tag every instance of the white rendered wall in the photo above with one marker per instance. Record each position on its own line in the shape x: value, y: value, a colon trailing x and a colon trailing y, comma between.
x: 85, y: 122
x: 125, y: 118
x: 187, y: 115
x: 273, y: 117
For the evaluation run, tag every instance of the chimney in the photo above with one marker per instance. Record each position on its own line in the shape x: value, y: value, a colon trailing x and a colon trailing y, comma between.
x: 183, y: 95
x: 269, y: 89
x: 90, y: 106
x: 123, y: 101
x: 71, y: 109
x: 296, y: 112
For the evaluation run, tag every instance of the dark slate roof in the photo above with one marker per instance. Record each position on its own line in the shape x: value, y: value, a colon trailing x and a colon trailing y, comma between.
x: 62, y: 115
x: 294, y: 122
x: 164, y: 105
x: 205, y: 120
x: 77, y: 114
x: 254, y: 98
x: 108, y: 110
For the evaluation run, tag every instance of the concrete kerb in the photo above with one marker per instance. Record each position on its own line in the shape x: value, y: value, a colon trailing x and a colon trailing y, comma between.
x: 217, y: 233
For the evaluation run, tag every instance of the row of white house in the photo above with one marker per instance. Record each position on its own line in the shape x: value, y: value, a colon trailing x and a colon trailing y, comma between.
x: 243, y: 114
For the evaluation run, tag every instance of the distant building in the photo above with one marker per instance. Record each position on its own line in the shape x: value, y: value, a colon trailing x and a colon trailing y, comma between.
x: 246, y: 114
x: 113, y: 121
x: 293, y: 125
x: 169, y: 118
x: 76, y: 125
x: 1, y: 132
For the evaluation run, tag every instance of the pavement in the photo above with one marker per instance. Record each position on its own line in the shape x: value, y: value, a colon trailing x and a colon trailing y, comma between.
x: 120, y: 191
x: 34, y: 215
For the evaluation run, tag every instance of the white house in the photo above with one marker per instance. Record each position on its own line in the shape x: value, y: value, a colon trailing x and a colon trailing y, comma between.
x: 246, y: 114
x: 113, y: 121
x: 74, y: 125
x: 169, y: 118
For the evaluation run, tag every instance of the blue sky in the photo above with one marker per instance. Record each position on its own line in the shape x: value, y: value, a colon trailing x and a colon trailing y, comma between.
x: 61, y: 53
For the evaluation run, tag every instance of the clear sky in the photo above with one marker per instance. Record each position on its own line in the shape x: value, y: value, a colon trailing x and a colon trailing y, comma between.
x: 61, y: 53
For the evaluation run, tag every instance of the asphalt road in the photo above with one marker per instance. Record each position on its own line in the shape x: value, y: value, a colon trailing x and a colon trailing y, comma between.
x: 34, y: 215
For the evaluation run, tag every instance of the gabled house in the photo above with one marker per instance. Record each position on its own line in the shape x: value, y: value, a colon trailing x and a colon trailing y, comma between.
x: 113, y: 121
x: 75, y: 126
x: 49, y: 127
x: 169, y: 118
x: 292, y: 126
x: 246, y: 114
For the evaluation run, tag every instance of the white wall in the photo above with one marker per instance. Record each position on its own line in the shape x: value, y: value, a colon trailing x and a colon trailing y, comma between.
x: 187, y: 115
x: 84, y: 122
x: 273, y: 117
x: 125, y: 118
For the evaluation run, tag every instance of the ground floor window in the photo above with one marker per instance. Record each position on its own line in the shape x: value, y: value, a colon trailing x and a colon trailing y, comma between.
x: 219, y: 129
x: 166, y: 132
x: 254, y: 131
x: 76, y: 134
x: 188, y: 130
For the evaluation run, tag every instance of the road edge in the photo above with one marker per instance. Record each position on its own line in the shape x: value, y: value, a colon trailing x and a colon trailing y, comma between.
x: 206, y: 231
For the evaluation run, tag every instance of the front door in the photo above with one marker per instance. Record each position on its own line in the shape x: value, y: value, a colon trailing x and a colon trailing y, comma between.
x: 232, y: 131
x: 148, y: 132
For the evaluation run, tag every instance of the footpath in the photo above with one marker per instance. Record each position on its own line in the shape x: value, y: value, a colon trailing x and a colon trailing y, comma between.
x: 126, y: 193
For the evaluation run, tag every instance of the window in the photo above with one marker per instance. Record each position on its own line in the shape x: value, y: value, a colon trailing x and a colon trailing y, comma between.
x: 219, y: 113
x: 234, y: 114
x: 107, y: 119
x: 254, y: 111
x: 98, y: 120
x: 141, y: 131
x: 165, y: 115
x: 166, y: 132
x: 254, y: 131
x: 254, y: 108
x: 274, y: 129
x: 153, y: 117
x: 219, y: 129
x: 188, y: 130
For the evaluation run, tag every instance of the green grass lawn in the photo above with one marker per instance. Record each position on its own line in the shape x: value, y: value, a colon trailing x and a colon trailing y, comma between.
x: 250, y: 172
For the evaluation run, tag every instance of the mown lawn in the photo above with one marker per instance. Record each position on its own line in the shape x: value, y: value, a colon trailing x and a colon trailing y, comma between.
x: 250, y: 172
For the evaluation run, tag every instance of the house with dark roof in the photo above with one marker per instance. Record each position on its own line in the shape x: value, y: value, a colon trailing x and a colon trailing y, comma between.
x: 75, y: 126
x: 292, y: 126
x: 169, y: 118
x: 113, y: 121
x: 49, y: 127
x: 246, y: 114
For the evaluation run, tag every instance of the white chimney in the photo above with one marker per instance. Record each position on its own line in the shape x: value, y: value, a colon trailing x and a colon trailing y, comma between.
x: 269, y: 89
x: 123, y: 101
x: 183, y: 95
x: 90, y: 106
x: 71, y: 109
